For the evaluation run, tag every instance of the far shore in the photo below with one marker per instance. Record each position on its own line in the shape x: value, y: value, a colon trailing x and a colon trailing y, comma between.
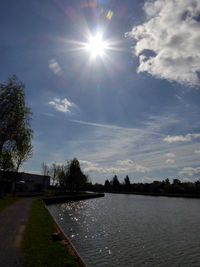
x: 157, y: 194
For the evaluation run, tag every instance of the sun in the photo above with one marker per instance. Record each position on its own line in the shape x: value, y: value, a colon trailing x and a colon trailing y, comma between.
x: 96, y: 45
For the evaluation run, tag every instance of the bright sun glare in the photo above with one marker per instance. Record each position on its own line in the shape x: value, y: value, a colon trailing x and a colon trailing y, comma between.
x: 96, y: 45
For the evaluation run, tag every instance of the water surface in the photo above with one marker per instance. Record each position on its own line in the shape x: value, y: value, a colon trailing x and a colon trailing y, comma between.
x: 133, y: 230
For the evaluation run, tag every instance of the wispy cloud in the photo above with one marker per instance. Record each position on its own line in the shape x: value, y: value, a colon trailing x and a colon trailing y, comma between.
x: 62, y: 105
x: 190, y: 171
x: 170, y: 155
x: 144, y: 146
x: 119, y: 167
x: 105, y: 150
x: 181, y: 138
x: 167, y: 44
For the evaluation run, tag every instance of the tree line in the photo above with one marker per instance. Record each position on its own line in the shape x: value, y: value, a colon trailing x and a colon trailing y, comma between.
x: 66, y: 177
x: 156, y: 187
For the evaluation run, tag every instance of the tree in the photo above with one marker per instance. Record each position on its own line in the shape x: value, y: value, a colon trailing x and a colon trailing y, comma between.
x: 127, y: 183
x: 107, y: 185
x: 15, y: 116
x: 45, y: 169
x: 54, y: 172
x: 23, y: 149
x: 76, y: 177
x: 6, y: 162
x: 62, y: 176
x: 115, y: 183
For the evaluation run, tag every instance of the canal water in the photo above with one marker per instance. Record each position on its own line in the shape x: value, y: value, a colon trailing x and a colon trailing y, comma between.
x: 133, y: 230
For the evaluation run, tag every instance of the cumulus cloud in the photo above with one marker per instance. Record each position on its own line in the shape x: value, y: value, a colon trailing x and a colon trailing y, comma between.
x: 181, y: 138
x: 167, y: 44
x: 170, y: 161
x: 190, y: 171
x: 62, y: 105
x: 170, y: 158
x: 120, y: 167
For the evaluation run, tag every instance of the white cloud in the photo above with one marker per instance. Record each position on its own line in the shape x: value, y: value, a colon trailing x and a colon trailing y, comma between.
x: 181, y: 138
x: 170, y: 161
x: 170, y: 155
x: 129, y: 165
x: 62, y: 105
x: 190, y: 171
x: 119, y: 167
x: 167, y: 44
x: 146, y: 179
x: 197, y: 151
x: 109, y: 144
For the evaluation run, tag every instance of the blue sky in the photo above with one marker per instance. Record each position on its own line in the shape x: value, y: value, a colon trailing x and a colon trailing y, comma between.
x: 133, y: 110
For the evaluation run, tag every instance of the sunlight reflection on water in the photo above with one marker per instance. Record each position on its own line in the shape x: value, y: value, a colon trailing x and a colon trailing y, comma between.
x: 129, y: 230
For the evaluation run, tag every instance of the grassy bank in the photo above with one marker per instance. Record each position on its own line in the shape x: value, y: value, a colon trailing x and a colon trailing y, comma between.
x: 7, y: 201
x: 38, y: 248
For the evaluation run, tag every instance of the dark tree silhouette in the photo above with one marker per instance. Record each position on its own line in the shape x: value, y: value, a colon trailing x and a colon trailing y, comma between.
x: 107, y: 186
x: 115, y: 183
x: 156, y: 187
x: 127, y: 183
x: 76, y: 177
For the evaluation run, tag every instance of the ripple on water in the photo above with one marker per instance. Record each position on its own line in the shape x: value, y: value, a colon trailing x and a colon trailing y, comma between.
x: 133, y: 231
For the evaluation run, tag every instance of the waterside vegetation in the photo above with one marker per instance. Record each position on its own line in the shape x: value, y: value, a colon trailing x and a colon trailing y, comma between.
x: 38, y: 247
x: 69, y: 177
x: 165, y: 187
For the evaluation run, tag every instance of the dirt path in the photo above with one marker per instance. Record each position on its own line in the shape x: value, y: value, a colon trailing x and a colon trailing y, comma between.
x: 12, y: 224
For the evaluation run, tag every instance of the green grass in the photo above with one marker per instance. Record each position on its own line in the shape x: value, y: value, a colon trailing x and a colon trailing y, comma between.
x: 7, y: 201
x: 38, y: 248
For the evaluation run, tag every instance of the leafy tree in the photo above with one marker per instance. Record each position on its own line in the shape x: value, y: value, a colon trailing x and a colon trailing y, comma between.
x: 107, y: 185
x: 76, y: 178
x: 23, y: 149
x: 127, y: 183
x: 15, y: 116
x: 115, y: 183
x: 6, y: 161
x: 62, y: 176
x: 176, y: 181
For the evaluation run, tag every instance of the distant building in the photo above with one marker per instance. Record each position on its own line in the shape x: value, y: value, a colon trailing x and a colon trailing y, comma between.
x: 21, y: 181
x: 34, y: 182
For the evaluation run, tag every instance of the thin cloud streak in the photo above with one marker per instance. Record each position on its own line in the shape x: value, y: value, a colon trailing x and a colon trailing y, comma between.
x: 144, y: 147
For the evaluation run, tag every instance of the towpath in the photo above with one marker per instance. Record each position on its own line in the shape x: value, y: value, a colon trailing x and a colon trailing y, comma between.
x: 13, y: 221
